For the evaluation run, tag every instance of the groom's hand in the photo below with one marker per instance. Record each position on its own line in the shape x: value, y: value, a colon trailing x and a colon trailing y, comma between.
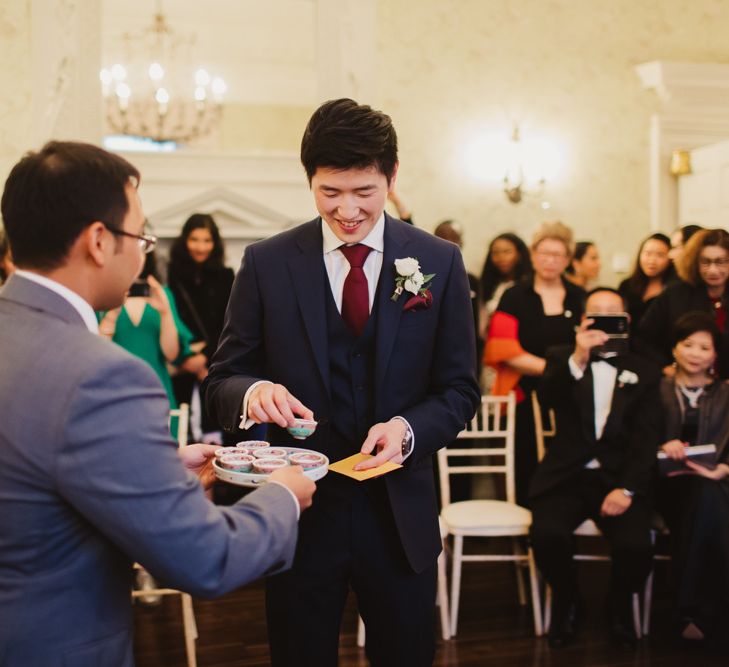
x: 272, y: 403
x: 387, y: 438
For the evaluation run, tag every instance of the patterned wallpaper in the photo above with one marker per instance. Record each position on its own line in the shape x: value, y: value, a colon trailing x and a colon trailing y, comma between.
x: 452, y: 69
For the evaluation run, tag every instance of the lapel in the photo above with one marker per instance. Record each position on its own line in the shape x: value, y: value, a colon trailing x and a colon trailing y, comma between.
x: 309, y: 279
x: 617, y: 406
x: 586, y: 401
x: 389, y: 311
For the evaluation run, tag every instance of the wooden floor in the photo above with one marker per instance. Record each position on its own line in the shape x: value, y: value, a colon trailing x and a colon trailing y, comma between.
x: 493, y: 630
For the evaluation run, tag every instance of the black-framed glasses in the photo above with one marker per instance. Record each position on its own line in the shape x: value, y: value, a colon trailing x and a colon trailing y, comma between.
x: 147, y: 242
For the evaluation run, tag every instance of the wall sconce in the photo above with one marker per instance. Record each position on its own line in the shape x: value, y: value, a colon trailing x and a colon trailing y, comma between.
x: 514, y: 177
x: 680, y: 162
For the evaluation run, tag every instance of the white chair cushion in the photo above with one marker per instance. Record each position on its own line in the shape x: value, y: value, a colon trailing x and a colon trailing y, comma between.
x: 486, y: 517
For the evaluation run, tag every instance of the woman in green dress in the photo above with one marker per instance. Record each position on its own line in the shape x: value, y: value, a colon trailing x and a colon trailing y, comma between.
x: 150, y: 327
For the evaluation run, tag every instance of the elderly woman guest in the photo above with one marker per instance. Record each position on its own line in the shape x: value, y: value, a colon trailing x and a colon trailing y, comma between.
x: 533, y: 315
x: 704, y: 270
x: 585, y: 266
x: 652, y: 273
x: 696, y: 505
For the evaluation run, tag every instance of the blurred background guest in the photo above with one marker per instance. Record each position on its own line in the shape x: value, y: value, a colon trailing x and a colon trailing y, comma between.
x: 536, y: 313
x: 703, y: 269
x: 507, y: 262
x: 679, y: 238
x: 6, y: 258
x: 584, y: 268
x: 403, y: 210
x: 450, y: 230
x: 652, y: 272
x: 201, y: 284
x: 696, y: 505
x: 150, y: 327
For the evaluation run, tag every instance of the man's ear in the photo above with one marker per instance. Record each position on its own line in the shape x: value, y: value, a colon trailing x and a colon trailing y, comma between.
x: 393, y: 178
x: 95, y: 242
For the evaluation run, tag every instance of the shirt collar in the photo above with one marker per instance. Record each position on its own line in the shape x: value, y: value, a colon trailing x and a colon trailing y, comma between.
x: 81, y: 306
x: 375, y: 239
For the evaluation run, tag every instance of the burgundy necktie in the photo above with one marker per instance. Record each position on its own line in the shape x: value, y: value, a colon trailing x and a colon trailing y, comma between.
x: 355, y: 295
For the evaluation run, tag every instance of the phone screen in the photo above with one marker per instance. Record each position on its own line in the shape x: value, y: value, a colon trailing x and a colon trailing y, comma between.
x: 616, y: 326
x: 139, y: 289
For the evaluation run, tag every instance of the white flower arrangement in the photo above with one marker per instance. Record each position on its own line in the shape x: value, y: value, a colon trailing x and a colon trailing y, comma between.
x: 627, y: 377
x: 410, y: 278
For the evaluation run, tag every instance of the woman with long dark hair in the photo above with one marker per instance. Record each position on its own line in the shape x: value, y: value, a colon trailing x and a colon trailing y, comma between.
x: 507, y: 262
x: 201, y: 283
x: 653, y: 271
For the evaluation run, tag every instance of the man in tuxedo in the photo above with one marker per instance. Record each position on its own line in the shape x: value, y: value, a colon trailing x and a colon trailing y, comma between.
x: 90, y: 479
x: 599, y: 465
x: 363, y: 322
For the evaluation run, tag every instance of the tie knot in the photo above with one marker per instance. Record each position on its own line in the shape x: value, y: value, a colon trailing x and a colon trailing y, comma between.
x: 356, y: 254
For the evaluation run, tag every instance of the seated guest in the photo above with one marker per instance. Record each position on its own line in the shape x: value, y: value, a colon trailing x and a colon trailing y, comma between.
x: 599, y: 465
x: 704, y: 270
x: 696, y: 505
x: 533, y: 315
x: 584, y: 269
x: 652, y: 273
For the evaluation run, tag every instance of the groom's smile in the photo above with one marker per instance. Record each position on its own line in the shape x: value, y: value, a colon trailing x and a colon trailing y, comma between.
x: 350, y: 201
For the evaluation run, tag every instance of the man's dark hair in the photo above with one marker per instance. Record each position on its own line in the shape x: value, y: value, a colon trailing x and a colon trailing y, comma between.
x: 342, y: 134
x: 51, y: 196
x: 693, y: 322
x: 612, y: 290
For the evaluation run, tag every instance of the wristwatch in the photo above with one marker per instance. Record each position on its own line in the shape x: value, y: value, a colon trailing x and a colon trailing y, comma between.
x: 628, y: 493
x: 407, y: 443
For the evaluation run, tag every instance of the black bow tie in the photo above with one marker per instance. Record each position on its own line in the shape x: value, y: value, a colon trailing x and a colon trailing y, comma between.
x: 612, y: 360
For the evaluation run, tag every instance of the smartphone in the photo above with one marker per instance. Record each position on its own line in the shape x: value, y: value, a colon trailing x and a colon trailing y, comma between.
x: 139, y: 288
x: 616, y: 326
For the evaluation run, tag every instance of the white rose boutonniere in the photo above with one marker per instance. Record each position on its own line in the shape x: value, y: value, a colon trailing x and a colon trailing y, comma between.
x: 627, y: 377
x: 409, y: 278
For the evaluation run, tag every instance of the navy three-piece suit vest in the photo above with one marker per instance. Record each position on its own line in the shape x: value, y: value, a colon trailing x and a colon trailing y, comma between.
x: 352, y: 378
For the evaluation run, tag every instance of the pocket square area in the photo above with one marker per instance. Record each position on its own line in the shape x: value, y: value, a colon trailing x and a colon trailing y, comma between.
x: 419, y: 302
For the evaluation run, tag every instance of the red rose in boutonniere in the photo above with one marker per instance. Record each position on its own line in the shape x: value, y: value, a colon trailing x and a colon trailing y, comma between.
x: 409, y: 278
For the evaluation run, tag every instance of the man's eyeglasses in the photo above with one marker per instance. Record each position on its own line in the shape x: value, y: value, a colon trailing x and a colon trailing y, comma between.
x: 147, y: 242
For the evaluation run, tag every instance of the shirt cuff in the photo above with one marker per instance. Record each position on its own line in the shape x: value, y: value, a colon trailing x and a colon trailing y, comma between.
x: 246, y: 423
x: 577, y: 372
x: 412, y: 435
x: 292, y: 494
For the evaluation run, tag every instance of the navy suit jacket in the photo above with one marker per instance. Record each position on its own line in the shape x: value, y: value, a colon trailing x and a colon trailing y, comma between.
x: 276, y: 329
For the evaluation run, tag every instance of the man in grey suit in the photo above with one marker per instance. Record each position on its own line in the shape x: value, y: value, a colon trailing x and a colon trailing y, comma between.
x: 90, y: 479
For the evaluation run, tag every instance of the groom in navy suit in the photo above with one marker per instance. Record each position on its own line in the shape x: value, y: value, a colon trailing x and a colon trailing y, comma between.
x: 364, y: 323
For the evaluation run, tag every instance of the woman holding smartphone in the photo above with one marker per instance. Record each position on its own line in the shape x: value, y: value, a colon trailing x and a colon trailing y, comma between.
x: 149, y: 326
x: 696, y: 504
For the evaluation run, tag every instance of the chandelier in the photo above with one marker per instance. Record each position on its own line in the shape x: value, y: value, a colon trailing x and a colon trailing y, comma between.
x: 156, y: 93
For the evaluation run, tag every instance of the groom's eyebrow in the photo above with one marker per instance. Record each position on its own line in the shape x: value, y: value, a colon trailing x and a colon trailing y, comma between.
x: 364, y: 188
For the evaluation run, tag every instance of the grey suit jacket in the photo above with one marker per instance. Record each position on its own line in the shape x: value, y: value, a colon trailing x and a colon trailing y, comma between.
x: 90, y: 481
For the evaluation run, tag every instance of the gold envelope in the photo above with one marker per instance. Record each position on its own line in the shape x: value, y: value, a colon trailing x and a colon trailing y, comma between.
x: 346, y: 467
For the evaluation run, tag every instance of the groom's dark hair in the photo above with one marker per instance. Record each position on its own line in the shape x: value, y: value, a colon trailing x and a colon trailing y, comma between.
x: 342, y: 134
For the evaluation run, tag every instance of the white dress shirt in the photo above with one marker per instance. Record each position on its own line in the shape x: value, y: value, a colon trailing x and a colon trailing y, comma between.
x: 337, y: 268
x: 82, y: 307
x: 604, y: 376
